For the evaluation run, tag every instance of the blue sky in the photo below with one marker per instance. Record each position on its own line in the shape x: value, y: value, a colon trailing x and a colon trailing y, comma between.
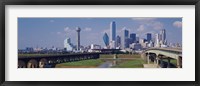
x: 48, y: 32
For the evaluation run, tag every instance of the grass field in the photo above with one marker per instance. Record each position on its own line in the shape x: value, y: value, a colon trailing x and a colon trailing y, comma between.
x: 83, y: 63
x: 173, y: 61
x: 135, y: 63
x: 120, y: 56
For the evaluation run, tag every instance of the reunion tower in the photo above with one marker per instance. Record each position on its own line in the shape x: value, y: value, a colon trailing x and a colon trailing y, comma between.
x: 78, y: 30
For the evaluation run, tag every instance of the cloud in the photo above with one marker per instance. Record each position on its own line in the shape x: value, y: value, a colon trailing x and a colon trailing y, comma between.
x: 67, y: 29
x: 148, y: 24
x: 125, y: 28
x: 177, y: 24
x: 51, y: 21
x: 59, y: 33
x: 87, y: 29
x: 149, y: 27
x: 141, y: 28
x: 143, y: 19
x: 69, y: 32
x: 157, y: 25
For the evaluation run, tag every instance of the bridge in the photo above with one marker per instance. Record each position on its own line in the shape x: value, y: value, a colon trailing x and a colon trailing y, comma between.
x: 157, y: 55
x: 41, y: 61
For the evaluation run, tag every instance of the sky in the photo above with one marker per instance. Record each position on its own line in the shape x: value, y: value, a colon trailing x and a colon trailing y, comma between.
x: 48, y: 32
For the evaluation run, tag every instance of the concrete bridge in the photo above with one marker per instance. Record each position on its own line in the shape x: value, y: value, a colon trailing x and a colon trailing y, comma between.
x: 41, y: 61
x: 157, y: 55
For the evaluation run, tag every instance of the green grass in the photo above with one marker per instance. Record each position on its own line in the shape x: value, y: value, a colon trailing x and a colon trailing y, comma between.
x: 120, y: 56
x: 173, y: 61
x: 136, y: 63
x: 106, y: 55
x: 91, y: 62
x: 128, y: 56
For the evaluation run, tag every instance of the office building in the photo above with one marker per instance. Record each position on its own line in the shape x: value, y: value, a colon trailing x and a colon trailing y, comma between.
x: 163, y: 36
x: 112, y: 31
x: 118, y: 41
x: 68, y: 45
x: 112, y: 45
x: 136, y: 46
x: 112, y: 35
x: 149, y: 37
x: 125, y: 39
x: 95, y: 46
x: 106, y: 39
x: 133, y: 38
x: 157, y: 39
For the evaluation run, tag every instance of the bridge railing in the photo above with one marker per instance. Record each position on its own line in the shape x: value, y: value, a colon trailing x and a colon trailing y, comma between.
x: 173, y: 50
x: 50, y: 55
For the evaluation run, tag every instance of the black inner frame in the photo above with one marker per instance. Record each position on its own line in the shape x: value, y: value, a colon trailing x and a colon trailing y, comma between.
x: 98, y: 2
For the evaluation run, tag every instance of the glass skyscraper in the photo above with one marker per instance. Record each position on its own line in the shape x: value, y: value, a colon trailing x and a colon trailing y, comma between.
x: 125, y: 39
x: 126, y: 33
x: 106, y: 39
x: 133, y: 38
x: 149, y: 38
x: 163, y: 36
x: 118, y: 43
x: 112, y: 31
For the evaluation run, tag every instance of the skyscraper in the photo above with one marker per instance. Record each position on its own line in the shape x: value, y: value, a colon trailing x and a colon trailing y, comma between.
x: 78, y: 30
x: 112, y: 45
x: 133, y: 38
x: 137, y: 39
x: 127, y: 42
x: 112, y: 31
x: 125, y: 39
x: 157, y: 40
x: 118, y: 41
x: 163, y: 36
x: 68, y: 45
x: 149, y: 38
x: 126, y: 33
x: 106, y: 39
x: 112, y: 35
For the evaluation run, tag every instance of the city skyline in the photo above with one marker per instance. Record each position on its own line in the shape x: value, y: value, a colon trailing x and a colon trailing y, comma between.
x: 48, y: 32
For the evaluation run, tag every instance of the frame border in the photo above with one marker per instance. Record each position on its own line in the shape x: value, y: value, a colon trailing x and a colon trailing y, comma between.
x: 97, y: 2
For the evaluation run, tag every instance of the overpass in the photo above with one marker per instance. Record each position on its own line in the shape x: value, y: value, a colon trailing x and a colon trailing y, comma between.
x: 157, y: 55
x: 40, y: 61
